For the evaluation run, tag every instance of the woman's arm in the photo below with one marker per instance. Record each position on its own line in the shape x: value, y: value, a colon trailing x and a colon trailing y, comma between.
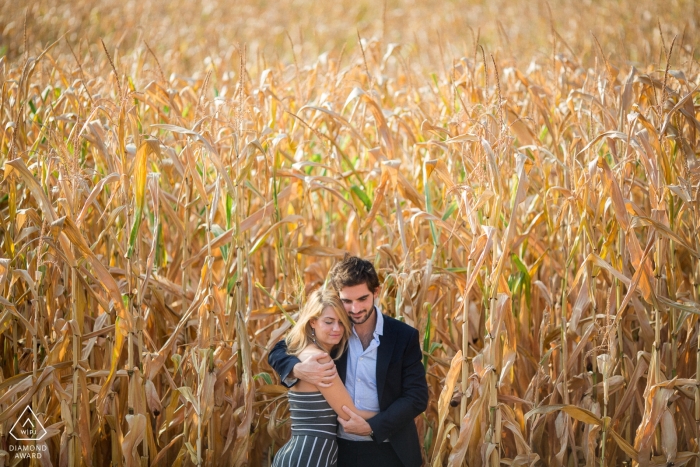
x: 292, y: 369
x: 337, y: 396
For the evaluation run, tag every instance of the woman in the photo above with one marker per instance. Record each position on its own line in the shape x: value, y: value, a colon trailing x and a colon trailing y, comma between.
x: 323, y: 327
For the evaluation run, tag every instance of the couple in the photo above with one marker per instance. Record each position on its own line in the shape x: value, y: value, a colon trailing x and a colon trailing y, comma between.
x: 376, y: 390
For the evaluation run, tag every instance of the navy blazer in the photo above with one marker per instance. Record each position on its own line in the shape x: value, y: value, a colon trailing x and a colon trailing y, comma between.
x: 401, y: 386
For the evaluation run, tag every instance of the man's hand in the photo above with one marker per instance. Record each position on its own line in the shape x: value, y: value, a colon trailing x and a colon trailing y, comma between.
x: 356, y: 425
x: 314, y: 372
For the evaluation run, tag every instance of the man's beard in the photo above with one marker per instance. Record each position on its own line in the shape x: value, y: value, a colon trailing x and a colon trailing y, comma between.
x: 367, y: 316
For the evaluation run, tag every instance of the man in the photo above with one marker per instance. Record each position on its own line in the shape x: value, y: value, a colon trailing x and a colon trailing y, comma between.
x: 382, y: 370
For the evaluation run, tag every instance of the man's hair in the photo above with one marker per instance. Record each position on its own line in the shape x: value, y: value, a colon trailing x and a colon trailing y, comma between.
x: 353, y: 271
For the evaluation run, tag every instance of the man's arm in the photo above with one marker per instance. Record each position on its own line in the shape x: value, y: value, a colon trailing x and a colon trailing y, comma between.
x: 414, y: 395
x: 291, y: 369
x: 282, y: 363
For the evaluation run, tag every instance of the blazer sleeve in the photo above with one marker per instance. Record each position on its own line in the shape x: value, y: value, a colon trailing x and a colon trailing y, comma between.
x: 282, y: 363
x: 414, y: 394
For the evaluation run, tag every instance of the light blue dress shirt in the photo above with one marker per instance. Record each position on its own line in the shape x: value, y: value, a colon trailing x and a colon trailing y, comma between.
x: 361, y: 375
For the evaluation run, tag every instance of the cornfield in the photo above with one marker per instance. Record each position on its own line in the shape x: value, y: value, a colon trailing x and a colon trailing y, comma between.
x: 177, y: 176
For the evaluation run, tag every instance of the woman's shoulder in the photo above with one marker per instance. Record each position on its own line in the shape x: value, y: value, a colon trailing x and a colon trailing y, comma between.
x: 309, y: 351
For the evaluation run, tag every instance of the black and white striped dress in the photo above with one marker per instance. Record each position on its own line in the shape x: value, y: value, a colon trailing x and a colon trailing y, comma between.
x: 314, y: 426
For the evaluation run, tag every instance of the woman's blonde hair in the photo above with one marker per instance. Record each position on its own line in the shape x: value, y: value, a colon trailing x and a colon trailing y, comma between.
x: 300, y: 335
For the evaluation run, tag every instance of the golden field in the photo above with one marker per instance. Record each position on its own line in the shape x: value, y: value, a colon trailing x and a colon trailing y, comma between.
x: 524, y: 176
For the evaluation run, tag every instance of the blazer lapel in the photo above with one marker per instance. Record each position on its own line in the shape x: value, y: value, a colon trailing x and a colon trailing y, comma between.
x: 384, y: 351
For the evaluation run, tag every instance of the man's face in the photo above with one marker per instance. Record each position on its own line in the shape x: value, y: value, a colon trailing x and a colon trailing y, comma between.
x: 358, y: 302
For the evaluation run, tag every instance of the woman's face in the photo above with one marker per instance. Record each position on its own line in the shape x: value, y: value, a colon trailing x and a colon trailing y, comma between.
x: 329, y: 329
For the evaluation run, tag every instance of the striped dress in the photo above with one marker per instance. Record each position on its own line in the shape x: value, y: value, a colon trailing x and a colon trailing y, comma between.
x: 314, y: 426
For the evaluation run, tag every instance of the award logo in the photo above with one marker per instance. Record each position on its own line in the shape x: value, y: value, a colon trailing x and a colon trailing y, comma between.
x: 27, y: 428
